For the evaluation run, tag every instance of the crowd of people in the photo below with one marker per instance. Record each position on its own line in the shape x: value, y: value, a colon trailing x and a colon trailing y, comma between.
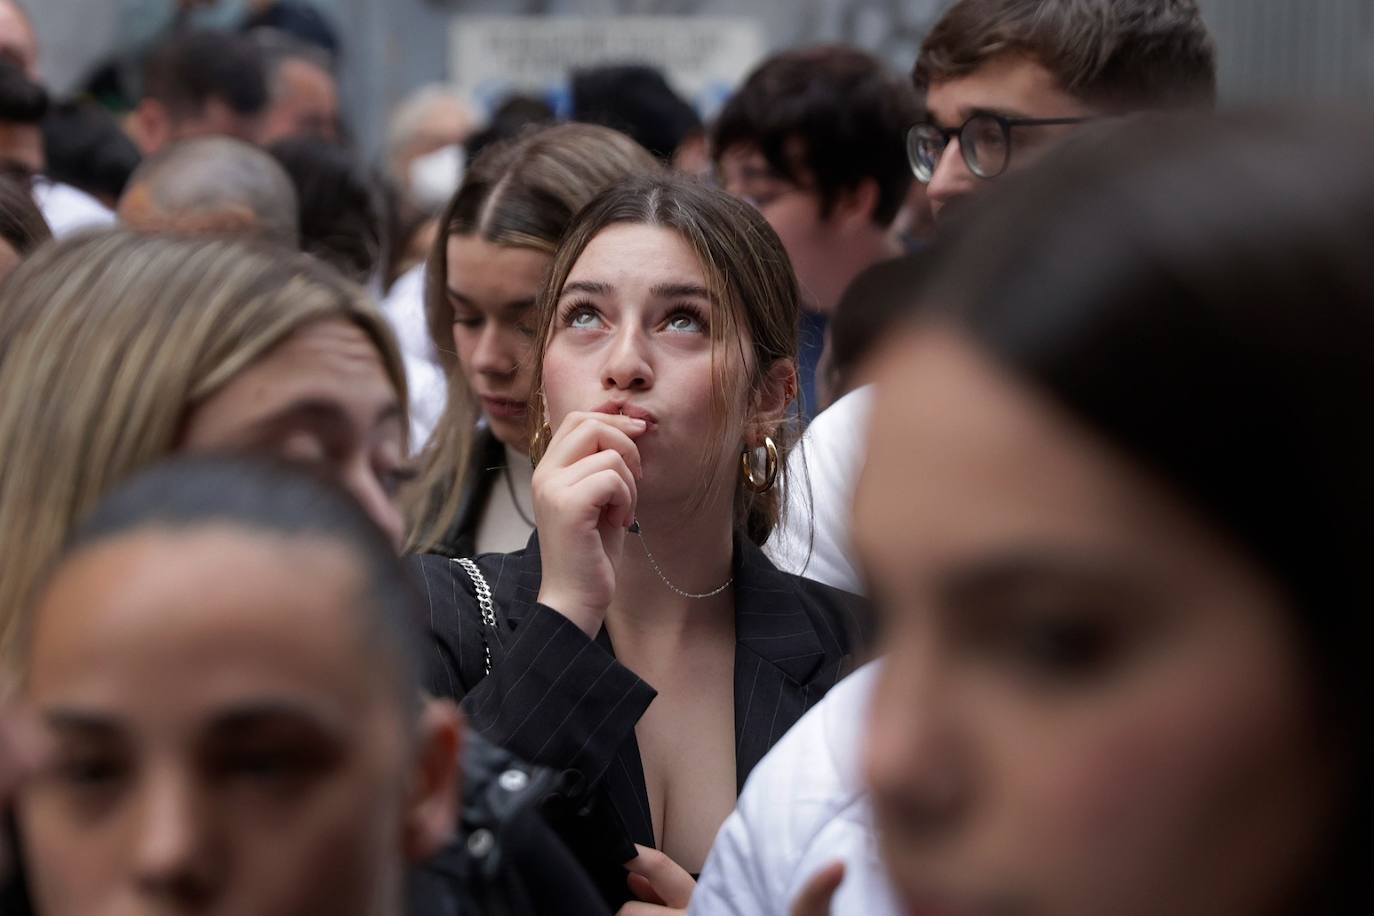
x: 942, y: 495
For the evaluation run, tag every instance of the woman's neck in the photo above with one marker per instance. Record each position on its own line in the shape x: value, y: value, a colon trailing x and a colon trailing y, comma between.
x: 695, y: 554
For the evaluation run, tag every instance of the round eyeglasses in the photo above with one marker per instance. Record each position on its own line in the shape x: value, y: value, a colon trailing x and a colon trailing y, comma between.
x: 984, y: 142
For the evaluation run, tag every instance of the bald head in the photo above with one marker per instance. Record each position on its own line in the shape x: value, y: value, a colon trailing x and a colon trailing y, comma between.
x: 213, y: 185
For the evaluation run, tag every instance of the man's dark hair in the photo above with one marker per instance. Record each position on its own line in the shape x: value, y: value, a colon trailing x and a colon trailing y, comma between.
x: 302, y: 21
x: 515, y: 115
x: 1121, y: 54
x: 22, y: 101
x: 86, y: 148
x: 636, y: 100
x: 276, y: 499
x: 190, y: 70
x: 826, y: 117
x: 21, y: 222
x: 277, y: 47
x: 342, y: 211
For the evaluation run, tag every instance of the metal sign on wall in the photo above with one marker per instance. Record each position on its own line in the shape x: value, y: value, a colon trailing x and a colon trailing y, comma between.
x: 704, y: 57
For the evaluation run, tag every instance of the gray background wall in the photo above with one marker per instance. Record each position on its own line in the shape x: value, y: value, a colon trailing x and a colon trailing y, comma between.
x: 1270, y: 49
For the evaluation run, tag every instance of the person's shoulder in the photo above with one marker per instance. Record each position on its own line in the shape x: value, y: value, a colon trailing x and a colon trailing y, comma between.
x: 821, y: 749
x: 841, y: 426
x: 811, y: 775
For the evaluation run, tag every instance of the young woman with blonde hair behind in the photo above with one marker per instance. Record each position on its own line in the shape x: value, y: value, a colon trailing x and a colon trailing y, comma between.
x: 118, y: 349
x: 484, y: 272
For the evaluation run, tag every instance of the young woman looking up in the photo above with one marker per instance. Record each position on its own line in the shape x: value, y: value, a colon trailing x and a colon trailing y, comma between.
x: 484, y: 273
x: 642, y: 643
x: 120, y: 349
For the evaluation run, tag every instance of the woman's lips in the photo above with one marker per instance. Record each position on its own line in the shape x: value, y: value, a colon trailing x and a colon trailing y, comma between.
x: 629, y: 410
x: 503, y: 408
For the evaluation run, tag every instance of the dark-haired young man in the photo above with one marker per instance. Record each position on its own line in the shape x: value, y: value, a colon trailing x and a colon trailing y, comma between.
x: 814, y: 139
x: 989, y: 75
x: 1001, y: 80
x: 200, y: 84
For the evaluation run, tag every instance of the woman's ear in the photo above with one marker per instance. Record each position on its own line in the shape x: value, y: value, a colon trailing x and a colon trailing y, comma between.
x: 431, y: 817
x: 777, y: 389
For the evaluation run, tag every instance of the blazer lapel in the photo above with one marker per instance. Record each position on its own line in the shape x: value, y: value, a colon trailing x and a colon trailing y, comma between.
x: 780, y: 668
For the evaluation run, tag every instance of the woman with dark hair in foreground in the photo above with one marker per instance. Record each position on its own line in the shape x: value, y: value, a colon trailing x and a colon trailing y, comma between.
x: 1117, y: 511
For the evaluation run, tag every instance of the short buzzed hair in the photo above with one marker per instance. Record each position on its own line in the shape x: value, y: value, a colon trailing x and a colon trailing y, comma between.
x: 188, y: 185
x: 275, y: 499
x: 1124, y: 55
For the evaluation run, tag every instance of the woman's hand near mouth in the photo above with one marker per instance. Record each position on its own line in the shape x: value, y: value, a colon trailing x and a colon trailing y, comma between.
x: 585, y: 489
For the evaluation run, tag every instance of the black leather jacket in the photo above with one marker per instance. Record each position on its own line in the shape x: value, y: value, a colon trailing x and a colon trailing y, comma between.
x: 506, y: 860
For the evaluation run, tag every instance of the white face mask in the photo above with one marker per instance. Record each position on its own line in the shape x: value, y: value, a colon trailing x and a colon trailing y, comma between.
x: 434, y: 177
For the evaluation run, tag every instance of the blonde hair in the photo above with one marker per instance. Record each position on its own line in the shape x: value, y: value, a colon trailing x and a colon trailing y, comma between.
x: 749, y: 275
x: 107, y: 342
x: 521, y: 194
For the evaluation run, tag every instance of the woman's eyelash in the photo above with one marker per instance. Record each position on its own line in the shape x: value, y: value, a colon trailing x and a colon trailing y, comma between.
x: 572, y: 309
x: 691, y: 311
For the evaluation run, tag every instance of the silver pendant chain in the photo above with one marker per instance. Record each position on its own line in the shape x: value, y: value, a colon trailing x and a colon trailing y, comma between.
x: 636, y: 529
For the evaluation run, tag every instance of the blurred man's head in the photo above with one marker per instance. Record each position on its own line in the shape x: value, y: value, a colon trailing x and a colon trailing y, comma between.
x: 990, y: 66
x: 200, y: 84
x: 18, y: 40
x: 237, y: 725
x: 213, y: 185
x: 86, y: 148
x: 303, y: 94
x: 341, y: 206
x: 814, y: 139
x: 636, y: 100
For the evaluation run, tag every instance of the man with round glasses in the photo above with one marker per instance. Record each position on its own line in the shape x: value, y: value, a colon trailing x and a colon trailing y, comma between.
x: 1002, y: 80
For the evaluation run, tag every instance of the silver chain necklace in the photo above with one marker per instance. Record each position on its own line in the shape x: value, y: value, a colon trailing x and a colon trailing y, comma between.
x: 636, y: 529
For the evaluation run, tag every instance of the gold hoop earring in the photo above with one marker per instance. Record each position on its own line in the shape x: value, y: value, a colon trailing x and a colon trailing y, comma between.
x: 770, y: 470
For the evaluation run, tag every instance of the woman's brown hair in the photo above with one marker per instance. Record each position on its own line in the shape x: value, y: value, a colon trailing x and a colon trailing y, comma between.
x: 520, y: 194
x: 750, y: 279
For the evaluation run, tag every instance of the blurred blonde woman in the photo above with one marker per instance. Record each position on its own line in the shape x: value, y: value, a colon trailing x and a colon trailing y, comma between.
x: 484, y: 273
x: 118, y: 349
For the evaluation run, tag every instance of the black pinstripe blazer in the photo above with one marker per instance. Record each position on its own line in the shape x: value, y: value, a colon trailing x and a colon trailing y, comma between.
x: 560, y: 699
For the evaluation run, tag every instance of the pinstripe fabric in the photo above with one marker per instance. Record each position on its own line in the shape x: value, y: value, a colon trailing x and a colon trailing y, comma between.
x: 560, y: 699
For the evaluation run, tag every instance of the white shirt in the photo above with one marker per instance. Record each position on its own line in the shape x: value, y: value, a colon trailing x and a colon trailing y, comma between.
x: 814, y: 538
x: 404, y: 309
x: 803, y: 807
x: 69, y: 210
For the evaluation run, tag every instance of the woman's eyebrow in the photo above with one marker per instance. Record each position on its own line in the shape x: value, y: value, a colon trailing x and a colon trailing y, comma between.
x: 590, y: 287
x: 681, y: 291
